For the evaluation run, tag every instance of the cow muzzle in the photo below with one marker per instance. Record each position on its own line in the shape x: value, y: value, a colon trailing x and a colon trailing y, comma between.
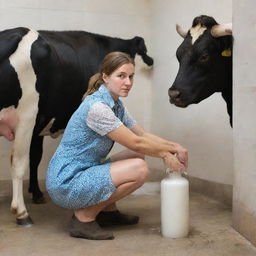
x: 175, y: 98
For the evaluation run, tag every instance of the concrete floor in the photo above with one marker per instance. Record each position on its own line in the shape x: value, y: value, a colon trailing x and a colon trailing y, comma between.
x: 210, y: 232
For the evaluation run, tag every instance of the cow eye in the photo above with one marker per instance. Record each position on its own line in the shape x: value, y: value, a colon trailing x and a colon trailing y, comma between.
x: 205, y: 57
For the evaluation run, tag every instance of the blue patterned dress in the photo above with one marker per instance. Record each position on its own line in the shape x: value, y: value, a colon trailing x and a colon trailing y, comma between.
x: 76, y: 177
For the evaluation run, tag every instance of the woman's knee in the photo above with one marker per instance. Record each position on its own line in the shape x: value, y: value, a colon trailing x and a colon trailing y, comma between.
x: 135, y: 170
x: 142, y: 170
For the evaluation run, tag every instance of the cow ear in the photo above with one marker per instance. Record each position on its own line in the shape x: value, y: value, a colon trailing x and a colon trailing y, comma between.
x: 226, y: 44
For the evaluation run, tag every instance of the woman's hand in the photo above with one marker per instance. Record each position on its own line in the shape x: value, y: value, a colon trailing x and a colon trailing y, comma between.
x: 171, y: 161
x: 182, y: 155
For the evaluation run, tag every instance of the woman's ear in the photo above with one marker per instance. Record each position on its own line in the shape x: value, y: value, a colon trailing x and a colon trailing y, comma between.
x: 104, y: 78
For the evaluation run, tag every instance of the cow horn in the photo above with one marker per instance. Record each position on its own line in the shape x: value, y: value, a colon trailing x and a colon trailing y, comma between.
x: 222, y: 30
x: 181, y: 31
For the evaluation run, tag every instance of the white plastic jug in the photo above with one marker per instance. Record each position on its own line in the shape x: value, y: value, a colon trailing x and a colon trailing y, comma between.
x: 174, y: 205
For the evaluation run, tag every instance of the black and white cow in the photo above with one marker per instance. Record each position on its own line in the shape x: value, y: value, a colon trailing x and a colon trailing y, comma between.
x: 205, y: 58
x: 43, y: 76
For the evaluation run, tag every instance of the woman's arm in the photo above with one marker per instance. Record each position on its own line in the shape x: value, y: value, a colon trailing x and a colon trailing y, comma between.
x: 137, y: 129
x: 181, y: 152
x: 146, y: 146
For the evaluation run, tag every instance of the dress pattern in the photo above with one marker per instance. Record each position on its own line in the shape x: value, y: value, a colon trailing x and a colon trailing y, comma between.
x: 76, y: 177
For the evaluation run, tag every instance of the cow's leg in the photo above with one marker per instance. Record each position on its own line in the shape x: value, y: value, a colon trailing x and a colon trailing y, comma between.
x: 20, y: 160
x: 19, y: 163
x: 36, y: 151
x: 27, y: 111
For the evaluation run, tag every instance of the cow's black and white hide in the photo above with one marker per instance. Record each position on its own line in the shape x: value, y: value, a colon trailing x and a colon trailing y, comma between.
x: 43, y: 77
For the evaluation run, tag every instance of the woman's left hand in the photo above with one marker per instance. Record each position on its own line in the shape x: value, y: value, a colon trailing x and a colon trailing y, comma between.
x: 182, y: 155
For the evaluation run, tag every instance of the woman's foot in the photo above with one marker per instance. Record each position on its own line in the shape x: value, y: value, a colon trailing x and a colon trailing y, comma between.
x: 108, y: 218
x: 88, y: 230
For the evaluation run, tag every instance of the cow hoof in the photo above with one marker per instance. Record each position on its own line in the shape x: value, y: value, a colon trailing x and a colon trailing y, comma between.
x: 39, y: 199
x: 25, y: 222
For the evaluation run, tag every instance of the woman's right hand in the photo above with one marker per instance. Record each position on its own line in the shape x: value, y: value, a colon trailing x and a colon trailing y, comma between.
x: 171, y: 161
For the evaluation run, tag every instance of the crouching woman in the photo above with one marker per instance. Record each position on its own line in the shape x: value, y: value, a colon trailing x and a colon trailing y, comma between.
x: 79, y: 179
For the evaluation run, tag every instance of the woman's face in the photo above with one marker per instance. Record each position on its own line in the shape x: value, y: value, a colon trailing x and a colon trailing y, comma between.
x: 120, y: 82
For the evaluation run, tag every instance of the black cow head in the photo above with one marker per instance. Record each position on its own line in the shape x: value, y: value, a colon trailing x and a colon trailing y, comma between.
x: 141, y: 49
x: 205, y: 62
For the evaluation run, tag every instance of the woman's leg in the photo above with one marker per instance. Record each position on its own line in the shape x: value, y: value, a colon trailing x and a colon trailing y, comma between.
x: 127, y: 175
x: 122, y: 155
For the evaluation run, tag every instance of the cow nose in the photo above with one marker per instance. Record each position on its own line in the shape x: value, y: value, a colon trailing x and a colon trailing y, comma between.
x: 174, y: 94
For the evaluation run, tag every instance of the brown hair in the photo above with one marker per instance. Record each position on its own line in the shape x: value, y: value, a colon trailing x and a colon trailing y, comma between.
x: 110, y: 63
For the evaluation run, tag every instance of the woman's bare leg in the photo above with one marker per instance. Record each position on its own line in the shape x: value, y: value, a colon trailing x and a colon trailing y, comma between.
x: 122, y: 155
x: 127, y: 175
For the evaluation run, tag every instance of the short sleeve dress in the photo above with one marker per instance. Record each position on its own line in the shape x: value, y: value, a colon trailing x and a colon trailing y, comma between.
x: 76, y: 177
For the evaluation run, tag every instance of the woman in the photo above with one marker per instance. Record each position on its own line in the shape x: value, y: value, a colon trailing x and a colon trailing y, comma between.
x: 78, y: 178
